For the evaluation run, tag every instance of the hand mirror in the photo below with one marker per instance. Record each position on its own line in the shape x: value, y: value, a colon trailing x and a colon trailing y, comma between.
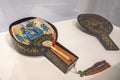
x: 99, y: 27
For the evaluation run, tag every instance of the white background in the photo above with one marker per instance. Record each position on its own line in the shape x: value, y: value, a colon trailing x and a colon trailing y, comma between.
x: 56, y: 10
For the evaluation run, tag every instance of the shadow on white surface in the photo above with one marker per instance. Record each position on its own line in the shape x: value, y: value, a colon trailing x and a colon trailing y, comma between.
x: 9, y: 40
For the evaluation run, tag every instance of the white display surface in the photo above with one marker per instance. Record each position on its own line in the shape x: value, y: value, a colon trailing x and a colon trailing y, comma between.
x: 14, y: 66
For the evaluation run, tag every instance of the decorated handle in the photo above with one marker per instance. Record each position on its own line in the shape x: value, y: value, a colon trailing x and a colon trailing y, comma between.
x: 63, y: 53
x: 107, y: 42
x: 60, y: 56
x: 59, y: 52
